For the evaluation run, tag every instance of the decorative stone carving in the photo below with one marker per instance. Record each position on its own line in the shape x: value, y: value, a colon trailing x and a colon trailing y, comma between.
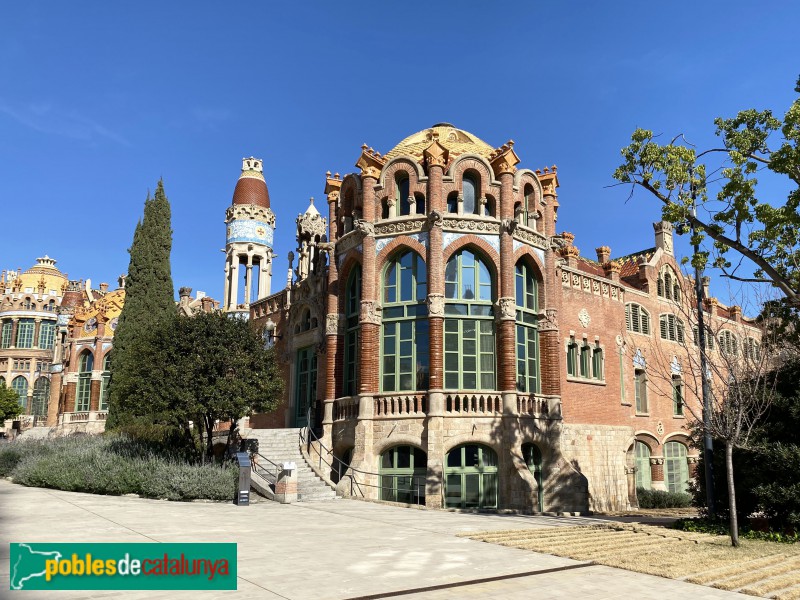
x: 584, y: 317
x: 656, y: 461
x: 435, y: 219
x: 331, y: 324
x: 692, y: 460
x: 365, y: 228
x: 412, y: 225
x: 471, y: 224
x: 507, y: 309
x: 533, y: 238
x: 548, y: 322
x: 508, y: 225
x: 660, y: 428
x: 435, y: 305
x: 370, y: 312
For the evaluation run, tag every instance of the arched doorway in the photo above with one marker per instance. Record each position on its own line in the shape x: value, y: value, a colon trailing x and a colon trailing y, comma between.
x: 403, y: 473
x: 533, y: 458
x: 471, y: 477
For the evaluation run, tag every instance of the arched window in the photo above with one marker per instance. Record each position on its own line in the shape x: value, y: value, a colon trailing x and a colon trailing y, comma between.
x: 403, y: 473
x: 572, y: 358
x: 637, y: 319
x: 104, y: 380
x: 527, y: 297
x: 471, y: 477
x: 709, y: 337
x: 28, y: 305
x: 25, y: 330
x: 643, y: 476
x: 469, y: 347
x: 676, y: 467
x: 401, y: 194
x: 419, y: 203
x: 47, y: 332
x: 20, y: 385
x: 671, y: 328
x: 41, y: 395
x: 469, y: 192
x: 533, y: 458
x: 352, y: 305
x: 752, y: 349
x: 727, y: 343
x: 528, y: 208
x: 84, y: 392
x: 668, y: 285
x: 677, y: 396
x: 51, y: 306
x: 2, y: 382
x: 405, y: 341
x: 5, y: 333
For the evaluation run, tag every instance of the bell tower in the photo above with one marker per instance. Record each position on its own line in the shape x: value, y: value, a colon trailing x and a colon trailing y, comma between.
x: 250, y: 228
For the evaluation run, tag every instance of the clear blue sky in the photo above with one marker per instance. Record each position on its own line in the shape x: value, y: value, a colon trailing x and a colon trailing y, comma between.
x: 99, y: 100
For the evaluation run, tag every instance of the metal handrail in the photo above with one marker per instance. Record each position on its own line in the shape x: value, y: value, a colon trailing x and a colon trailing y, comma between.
x: 347, y: 470
x: 264, y: 471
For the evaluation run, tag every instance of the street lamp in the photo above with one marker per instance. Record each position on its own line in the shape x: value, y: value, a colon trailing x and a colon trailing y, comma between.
x: 269, y: 333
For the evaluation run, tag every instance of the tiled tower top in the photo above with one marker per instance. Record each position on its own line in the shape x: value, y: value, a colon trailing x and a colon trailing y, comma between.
x: 251, y: 187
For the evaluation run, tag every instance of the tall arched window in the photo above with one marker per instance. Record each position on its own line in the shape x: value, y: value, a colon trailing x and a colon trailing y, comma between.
x: 528, y: 207
x: 533, y: 458
x: 676, y: 467
x: 5, y: 333
x: 471, y: 477
x: 104, y: 380
x: 469, y: 347
x: 352, y: 305
x: 20, y: 385
x: 401, y: 194
x: 727, y: 343
x: 41, y: 395
x: 668, y: 285
x: 25, y: 329
x: 452, y: 202
x: 405, y: 347
x: 671, y: 328
x: 47, y: 332
x: 643, y: 476
x: 469, y: 193
x: 404, y: 470
x: 527, y: 292
x: 84, y: 392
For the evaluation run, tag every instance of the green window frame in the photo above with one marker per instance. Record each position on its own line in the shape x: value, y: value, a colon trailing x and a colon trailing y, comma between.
x: 644, y: 478
x: 306, y: 383
x: 572, y: 357
x: 47, y: 334
x: 527, y: 329
x: 677, y: 396
x: 352, y: 306
x: 403, y: 470
x: 401, y: 187
x: 597, y: 363
x: 640, y: 390
x: 5, y: 335
x: 41, y: 396
x: 105, y: 378
x: 405, y: 353
x: 83, y: 394
x: 20, y: 385
x: 533, y: 459
x: 727, y: 343
x: 676, y: 467
x: 471, y: 477
x: 469, y: 332
x: 25, y: 331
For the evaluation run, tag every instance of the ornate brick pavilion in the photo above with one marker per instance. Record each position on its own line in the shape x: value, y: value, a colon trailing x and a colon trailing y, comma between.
x: 441, y: 334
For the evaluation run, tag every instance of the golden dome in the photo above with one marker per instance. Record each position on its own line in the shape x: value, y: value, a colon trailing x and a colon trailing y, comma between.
x: 457, y: 141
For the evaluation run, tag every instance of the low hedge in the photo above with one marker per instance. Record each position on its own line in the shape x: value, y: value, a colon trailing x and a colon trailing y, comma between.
x: 662, y: 499
x: 115, y: 465
x: 719, y: 527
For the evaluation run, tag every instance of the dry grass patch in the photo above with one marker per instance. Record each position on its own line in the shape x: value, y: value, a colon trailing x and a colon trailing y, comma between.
x: 756, y: 568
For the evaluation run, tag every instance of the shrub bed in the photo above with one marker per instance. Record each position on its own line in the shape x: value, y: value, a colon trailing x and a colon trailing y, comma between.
x: 662, y: 499
x: 719, y: 527
x: 115, y: 465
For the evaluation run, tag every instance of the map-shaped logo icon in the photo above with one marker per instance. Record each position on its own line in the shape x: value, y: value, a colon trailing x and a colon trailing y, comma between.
x: 28, y: 564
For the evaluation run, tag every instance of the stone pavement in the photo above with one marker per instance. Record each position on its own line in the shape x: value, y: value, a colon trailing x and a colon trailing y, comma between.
x: 328, y: 550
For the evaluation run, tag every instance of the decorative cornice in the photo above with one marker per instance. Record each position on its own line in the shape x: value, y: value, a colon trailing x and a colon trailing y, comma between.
x: 400, y: 226
x: 504, y: 159
x: 549, y: 180
x: 249, y: 211
x: 472, y: 225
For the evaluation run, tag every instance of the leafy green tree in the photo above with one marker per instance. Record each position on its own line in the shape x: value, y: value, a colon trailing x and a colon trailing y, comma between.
x: 9, y: 403
x: 739, y: 218
x: 204, y: 369
x: 149, y: 304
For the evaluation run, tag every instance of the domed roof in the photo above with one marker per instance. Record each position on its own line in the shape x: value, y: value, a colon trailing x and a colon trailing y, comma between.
x: 46, y: 266
x: 251, y: 187
x: 457, y: 141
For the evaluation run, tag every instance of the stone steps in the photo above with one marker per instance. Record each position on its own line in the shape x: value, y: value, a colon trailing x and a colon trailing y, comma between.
x: 283, y: 445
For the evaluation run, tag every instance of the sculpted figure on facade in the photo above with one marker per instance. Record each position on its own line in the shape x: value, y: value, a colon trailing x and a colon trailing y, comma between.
x: 435, y: 305
x: 370, y: 312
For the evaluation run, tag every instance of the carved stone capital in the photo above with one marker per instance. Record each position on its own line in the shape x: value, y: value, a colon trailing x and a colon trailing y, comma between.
x: 370, y: 312
x: 507, y: 309
x: 656, y: 461
x: 548, y: 321
x: 435, y: 305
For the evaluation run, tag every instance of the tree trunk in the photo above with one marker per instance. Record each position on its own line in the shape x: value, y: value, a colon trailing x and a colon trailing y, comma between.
x: 210, y: 438
x: 231, y: 431
x: 734, y: 520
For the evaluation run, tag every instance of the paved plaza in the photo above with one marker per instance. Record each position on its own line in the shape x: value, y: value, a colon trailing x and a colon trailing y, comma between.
x: 340, y: 549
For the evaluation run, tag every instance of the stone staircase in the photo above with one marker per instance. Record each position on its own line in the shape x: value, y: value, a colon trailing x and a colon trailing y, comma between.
x: 283, y: 445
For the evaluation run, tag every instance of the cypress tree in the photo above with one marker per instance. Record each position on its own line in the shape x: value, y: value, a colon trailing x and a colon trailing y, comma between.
x: 149, y: 303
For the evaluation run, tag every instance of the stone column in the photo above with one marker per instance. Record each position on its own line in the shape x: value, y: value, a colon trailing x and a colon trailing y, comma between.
x: 227, y: 291
x: 248, y: 280
x: 233, y: 301
x: 37, y: 327
x: 333, y: 318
